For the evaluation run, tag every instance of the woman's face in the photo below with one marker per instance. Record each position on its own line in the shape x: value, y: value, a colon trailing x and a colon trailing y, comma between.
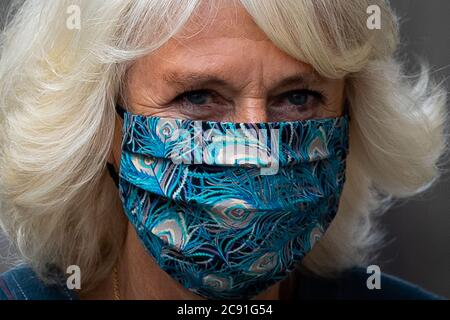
x: 225, y: 70
x: 228, y: 70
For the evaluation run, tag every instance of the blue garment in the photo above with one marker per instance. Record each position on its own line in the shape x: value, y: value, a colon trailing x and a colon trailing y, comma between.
x: 21, y: 283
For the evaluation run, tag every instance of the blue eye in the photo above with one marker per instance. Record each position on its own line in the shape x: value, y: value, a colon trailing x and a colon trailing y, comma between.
x: 302, y: 97
x: 197, y: 97
x: 298, y: 98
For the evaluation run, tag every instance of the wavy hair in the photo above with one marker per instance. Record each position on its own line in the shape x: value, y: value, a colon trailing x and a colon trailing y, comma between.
x: 59, y: 87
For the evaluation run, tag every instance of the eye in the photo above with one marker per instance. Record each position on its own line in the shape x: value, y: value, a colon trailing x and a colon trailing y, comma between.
x: 196, y: 97
x: 201, y: 104
x: 302, y: 97
x: 297, y: 105
x: 298, y: 98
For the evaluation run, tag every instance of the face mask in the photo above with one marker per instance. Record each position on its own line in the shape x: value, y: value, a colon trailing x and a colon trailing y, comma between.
x: 229, y: 209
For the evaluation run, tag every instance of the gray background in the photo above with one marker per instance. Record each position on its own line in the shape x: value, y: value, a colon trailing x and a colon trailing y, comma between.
x: 418, y: 246
x: 418, y: 231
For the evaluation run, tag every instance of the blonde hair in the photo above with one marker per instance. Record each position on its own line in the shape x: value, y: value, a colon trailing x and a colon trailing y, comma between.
x: 59, y: 86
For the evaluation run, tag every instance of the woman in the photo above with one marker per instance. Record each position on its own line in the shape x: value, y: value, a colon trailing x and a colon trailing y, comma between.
x: 200, y: 149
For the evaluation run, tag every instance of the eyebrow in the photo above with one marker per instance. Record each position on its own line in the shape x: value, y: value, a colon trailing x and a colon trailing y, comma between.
x: 183, y: 80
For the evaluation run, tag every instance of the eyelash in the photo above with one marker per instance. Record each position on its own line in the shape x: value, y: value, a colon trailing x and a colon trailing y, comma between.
x: 319, y: 95
x: 186, y: 90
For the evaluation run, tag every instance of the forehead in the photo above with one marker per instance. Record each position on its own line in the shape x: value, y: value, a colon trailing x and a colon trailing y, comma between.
x: 221, y: 19
x: 221, y: 34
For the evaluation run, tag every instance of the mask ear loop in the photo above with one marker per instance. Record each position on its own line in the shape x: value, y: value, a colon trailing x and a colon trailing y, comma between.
x: 346, y: 111
x: 109, y: 166
x: 120, y: 110
x: 113, y: 174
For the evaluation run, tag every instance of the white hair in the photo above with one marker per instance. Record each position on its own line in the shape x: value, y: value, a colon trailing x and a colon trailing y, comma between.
x: 59, y: 87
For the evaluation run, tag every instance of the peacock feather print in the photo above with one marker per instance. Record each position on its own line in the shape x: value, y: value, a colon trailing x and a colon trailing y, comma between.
x: 196, y: 196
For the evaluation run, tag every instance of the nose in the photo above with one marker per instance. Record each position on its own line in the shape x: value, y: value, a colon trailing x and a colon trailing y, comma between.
x: 251, y: 110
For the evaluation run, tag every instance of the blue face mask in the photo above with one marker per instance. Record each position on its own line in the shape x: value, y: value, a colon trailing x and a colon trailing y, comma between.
x: 229, y: 209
